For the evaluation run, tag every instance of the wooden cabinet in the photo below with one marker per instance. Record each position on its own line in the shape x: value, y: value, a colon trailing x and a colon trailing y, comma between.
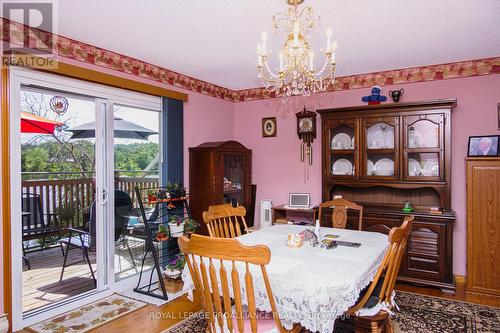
x: 219, y: 172
x: 483, y: 226
x: 397, y: 152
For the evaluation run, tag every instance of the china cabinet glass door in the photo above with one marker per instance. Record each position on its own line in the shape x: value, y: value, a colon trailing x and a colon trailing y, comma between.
x: 381, y: 142
x: 233, y: 178
x: 423, y: 147
x: 343, y: 142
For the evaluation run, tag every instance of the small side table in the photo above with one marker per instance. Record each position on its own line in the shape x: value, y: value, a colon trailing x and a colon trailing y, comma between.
x: 282, y: 214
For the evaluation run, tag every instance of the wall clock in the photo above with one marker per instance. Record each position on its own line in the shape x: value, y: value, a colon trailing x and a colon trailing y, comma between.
x: 306, y: 130
x: 269, y: 128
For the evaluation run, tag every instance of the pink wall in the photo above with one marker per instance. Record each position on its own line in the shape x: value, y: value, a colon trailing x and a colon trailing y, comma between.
x: 277, y: 169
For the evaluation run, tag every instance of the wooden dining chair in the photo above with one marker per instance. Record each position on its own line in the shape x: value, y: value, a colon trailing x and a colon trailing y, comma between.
x: 201, y: 254
x: 225, y: 221
x: 381, y: 289
x: 339, y: 214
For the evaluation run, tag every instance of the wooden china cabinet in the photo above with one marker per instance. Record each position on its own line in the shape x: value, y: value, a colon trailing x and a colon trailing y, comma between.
x: 381, y: 156
x: 219, y: 172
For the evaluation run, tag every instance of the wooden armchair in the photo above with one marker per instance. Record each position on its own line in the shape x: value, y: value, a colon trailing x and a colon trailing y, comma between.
x: 201, y: 253
x: 339, y: 215
x: 380, y: 291
x: 225, y: 221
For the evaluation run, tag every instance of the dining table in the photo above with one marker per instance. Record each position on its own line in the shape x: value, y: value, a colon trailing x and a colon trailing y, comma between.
x: 312, y: 285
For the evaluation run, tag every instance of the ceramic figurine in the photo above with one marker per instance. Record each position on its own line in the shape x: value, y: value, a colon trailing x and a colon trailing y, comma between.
x: 375, y: 97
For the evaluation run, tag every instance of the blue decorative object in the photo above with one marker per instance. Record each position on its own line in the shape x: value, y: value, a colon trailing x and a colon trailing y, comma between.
x: 374, y: 97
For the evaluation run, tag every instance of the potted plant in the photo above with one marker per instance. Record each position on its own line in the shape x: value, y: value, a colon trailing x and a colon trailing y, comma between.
x: 190, y: 226
x: 176, y: 190
x: 172, y: 275
x: 176, y: 226
x: 162, y: 233
x: 152, y: 195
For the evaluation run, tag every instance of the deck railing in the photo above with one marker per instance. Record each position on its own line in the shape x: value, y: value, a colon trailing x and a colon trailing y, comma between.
x: 70, y: 194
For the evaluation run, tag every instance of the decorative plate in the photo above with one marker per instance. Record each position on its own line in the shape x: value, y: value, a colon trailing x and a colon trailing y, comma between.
x: 342, y: 167
x: 384, y: 167
x: 341, y: 141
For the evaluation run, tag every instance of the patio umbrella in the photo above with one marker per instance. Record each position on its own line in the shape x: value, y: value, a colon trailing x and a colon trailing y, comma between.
x: 31, y: 123
x: 123, y: 129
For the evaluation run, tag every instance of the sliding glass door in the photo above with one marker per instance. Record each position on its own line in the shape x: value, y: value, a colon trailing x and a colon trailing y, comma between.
x: 78, y: 152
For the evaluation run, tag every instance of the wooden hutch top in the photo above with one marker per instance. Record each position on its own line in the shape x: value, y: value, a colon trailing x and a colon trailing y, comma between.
x: 390, y: 153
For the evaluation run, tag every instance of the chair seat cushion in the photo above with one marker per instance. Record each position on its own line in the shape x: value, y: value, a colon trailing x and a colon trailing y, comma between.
x: 75, y: 241
x: 374, y: 299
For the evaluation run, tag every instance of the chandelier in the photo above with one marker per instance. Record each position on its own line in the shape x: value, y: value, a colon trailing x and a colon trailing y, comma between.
x: 296, y: 74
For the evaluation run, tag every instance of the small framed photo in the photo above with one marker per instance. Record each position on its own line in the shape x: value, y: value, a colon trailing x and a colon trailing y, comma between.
x: 486, y: 145
x: 269, y: 128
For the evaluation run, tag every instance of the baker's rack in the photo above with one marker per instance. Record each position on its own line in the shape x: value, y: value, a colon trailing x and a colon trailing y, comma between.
x: 156, y: 212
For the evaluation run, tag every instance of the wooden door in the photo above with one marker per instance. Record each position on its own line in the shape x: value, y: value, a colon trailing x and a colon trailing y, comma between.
x: 483, y: 225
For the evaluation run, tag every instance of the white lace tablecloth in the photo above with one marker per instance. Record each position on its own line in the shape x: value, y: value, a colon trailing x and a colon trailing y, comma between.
x: 312, y: 285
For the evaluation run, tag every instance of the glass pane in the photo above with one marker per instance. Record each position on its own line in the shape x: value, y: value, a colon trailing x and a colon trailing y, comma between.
x: 342, y: 165
x: 423, y: 134
x: 58, y: 173
x: 380, y: 135
x: 233, y: 176
x: 136, y: 154
x: 423, y: 164
x: 342, y: 137
x: 380, y: 165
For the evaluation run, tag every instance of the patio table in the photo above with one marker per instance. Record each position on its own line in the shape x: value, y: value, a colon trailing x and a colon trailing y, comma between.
x: 312, y: 285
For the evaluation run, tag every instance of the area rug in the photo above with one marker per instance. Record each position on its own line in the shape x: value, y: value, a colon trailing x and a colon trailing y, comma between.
x: 417, y: 313
x: 89, y: 316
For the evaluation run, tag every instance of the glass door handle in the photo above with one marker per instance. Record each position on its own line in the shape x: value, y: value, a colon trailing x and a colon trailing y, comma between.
x: 104, y: 196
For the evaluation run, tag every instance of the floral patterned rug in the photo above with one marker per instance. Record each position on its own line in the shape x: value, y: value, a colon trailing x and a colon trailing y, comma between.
x: 89, y: 316
x: 417, y: 313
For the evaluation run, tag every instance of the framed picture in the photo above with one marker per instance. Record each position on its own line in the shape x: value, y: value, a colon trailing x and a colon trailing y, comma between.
x: 486, y: 145
x: 269, y: 128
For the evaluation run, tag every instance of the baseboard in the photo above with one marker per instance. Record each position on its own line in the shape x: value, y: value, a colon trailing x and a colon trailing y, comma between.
x: 459, y: 279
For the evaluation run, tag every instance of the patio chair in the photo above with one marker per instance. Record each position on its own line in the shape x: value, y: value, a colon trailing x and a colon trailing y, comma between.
x: 230, y: 255
x: 85, y: 239
x: 35, y: 223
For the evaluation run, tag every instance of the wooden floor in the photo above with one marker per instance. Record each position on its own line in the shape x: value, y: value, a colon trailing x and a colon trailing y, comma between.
x: 41, y: 285
x: 153, y: 319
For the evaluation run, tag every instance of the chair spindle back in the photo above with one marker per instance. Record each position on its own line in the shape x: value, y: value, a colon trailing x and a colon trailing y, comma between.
x: 225, y: 221
x: 216, y: 263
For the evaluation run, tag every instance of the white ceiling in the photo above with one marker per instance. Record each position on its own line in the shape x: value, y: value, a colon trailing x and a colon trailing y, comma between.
x: 215, y: 40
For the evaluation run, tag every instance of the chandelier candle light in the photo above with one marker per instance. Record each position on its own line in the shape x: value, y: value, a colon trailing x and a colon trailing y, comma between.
x: 296, y: 74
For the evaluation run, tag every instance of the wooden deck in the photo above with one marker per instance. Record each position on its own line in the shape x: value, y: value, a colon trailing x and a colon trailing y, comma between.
x: 41, y: 285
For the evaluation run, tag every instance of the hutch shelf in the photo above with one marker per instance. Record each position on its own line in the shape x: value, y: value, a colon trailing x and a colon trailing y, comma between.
x: 381, y: 156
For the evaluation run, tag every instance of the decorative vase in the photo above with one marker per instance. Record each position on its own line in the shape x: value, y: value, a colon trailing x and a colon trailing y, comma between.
x: 396, y: 94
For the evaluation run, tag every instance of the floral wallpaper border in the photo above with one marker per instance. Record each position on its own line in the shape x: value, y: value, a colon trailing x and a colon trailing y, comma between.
x: 72, y: 49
